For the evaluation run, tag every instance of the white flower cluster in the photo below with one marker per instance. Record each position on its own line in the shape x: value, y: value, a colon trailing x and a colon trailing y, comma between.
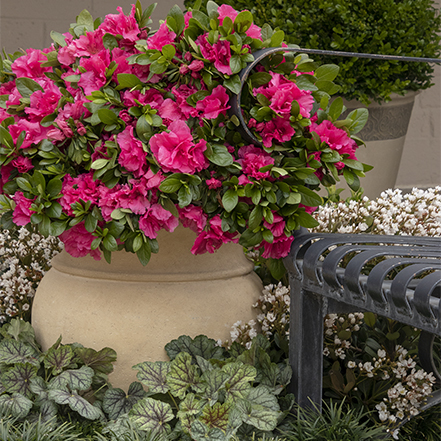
x: 338, y: 331
x: 406, y: 396
x: 415, y: 214
x: 24, y: 259
x: 273, y: 318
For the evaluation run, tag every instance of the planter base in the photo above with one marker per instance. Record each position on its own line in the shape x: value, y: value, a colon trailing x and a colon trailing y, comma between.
x: 136, y: 310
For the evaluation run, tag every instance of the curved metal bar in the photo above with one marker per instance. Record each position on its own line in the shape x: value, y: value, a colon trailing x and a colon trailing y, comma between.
x: 423, y: 294
x: 425, y: 354
x: 235, y: 100
x: 374, y: 285
x: 400, y: 285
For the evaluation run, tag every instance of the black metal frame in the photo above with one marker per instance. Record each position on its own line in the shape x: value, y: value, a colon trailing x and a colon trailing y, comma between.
x: 321, y: 284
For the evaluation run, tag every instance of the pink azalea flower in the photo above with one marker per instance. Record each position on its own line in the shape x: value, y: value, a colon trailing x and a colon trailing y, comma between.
x: 120, y: 24
x: 82, y: 187
x: 278, y: 129
x: 193, y: 217
x: 5, y: 174
x: 337, y: 139
x: 156, y: 219
x: 132, y: 156
x: 211, y: 240
x: 89, y: 44
x: 279, y: 248
x: 133, y: 197
x: 176, y: 152
x: 282, y: 92
x: 213, y: 183
x: 151, y: 180
x: 22, y: 164
x: 169, y: 109
x: 219, y: 54
x: 252, y: 159
x: 29, y: 65
x: 108, y: 200
x: 214, y: 104
x: 22, y: 211
x: 151, y: 97
x: 181, y: 94
x: 161, y: 37
x: 228, y: 11
x: 77, y: 242
x: 278, y: 225
x: 95, y: 76
x: 43, y: 102
x: 34, y: 132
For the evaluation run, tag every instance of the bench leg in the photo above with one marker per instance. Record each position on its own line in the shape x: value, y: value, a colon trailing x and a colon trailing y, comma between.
x: 306, y: 346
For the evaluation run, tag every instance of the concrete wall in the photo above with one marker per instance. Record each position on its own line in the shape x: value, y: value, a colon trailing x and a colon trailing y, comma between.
x: 27, y: 23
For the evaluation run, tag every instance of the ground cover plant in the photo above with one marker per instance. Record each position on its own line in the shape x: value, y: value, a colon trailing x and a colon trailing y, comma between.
x: 370, y: 364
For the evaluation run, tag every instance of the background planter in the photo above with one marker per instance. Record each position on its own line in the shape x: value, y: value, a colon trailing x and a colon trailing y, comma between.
x: 384, y: 134
x: 136, y: 310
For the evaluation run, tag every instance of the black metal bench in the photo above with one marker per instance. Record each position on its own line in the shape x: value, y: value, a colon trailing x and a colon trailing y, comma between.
x: 321, y: 284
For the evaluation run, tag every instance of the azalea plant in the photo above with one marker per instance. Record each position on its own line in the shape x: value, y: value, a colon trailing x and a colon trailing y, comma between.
x: 115, y: 133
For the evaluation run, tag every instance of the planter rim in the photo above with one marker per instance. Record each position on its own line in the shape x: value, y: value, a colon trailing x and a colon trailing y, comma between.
x: 397, y: 100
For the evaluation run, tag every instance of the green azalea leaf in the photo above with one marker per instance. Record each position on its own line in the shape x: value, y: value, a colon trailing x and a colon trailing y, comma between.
x: 250, y: 239
x: 17, y: 379
x: 306, y: 220
x: 359, y: 118
x: 58, y: 38
x: 171, y: 184
x: 98, y: 164
x: 327, y: 72
x: 219, y: 155
x: 183, y: 374
x: 76, y: 403
x: 127, y: 81
x: 233, y: 84
x: 144, y: 253
x: 230, y: 199
x: 277, y: 39
x: 58, y: 359
x: 154, y: 375
x: 100, y: 361
x: 239, y: 378
x: 178, y: 17
x: 26, y: 87
x: 309, y: 197
x: 152, y: 415
x: 6, y: 138
x: 12, y: 352
x: 277, y: 268
x: 54, y: 187
x: 257, y: 415
x: 116, y: 402
x: 356, y: 165
x: 109, y: 41
x: 76, y: 379
x: 336, y: 108
x: 106, y: 116
x: 16, y: 405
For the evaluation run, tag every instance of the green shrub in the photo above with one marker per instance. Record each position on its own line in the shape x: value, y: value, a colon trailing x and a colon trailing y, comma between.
x: 388, y: 27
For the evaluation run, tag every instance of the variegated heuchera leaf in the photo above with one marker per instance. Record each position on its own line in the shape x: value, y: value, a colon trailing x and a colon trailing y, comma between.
x: 183, y: 374
x: 116, y: 402
x: 58, y: 358
x: 153, y: 375
x: 239, y: 379
x: 76, y: 379
x: 16, y: 405
x: 18, y: 378
x: 13, y: 351
x: 100, y: 361
x: 76, y: 403
x: 201, y: 346
x: 152, y: 415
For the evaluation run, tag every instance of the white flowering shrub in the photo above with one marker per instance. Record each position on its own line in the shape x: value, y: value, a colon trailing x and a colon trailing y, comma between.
x: 24, y: 259
x: 366, y: 358
x: 414, y: 214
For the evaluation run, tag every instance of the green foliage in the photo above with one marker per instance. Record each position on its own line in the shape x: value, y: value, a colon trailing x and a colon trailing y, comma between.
x: 388, y: 27
x: 63, y: 380
x: 338, y: 422
x: 206, y: 392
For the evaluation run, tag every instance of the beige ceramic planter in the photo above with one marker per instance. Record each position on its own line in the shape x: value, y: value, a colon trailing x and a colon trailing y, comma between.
x: 136, y: 310
x: 384, y: 135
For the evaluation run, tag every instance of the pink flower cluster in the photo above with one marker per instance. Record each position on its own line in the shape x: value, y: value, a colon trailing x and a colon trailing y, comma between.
x: 136, y: 125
